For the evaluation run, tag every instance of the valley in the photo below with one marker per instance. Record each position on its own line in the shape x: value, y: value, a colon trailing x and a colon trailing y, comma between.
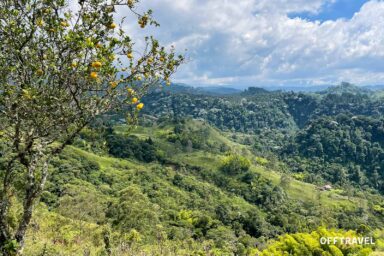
x: 180, y: 184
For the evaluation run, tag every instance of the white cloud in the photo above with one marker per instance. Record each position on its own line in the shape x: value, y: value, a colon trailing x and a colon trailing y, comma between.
x: 254, y: 42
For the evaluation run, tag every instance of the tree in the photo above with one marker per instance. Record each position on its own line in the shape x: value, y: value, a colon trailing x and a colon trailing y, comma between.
x: 235, y: 164
x: 285, y: 181
x: 59, y: 68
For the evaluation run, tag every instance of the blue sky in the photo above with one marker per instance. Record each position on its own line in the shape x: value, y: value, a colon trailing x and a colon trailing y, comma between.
x: 340, y: 9
x: 272, y: 42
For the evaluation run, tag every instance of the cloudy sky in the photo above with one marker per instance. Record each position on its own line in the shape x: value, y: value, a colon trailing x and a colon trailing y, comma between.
x: 242, y: 43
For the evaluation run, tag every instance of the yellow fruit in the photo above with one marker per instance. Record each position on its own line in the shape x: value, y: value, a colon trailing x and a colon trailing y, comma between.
x: 39, y: 72
x: 96, y: 64
x: 98, y: 46
x: 168, y: 83
x: 130, y: 3
x: 130, y: 56
x: 64, y: 24
x: 139, y: 78
x: 40, y: 23
x: 74, y: 64
x: 113, y: 84
x: 26, y: 94
x: 162, y: 59
x: 131, y: 91
x: 140, y: 106
x: 150, y: 60
x: 93, y: 75
x: 52, y: 30
x: 112, y: 25
x: 134, y: 100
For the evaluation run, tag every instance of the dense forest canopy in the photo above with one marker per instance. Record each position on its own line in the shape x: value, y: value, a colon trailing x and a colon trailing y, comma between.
x: 340, y: 129
x: 208, y: 174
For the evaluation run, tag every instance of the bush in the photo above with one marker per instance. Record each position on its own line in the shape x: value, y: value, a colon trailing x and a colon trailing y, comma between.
x: 128, y: 147
x: 235, y: 164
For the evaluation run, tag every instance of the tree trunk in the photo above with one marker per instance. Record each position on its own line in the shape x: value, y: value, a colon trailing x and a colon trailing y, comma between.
x: 32, y: 193
x: 33, y: 190
x: 26, y: 219
x: 4, y: 204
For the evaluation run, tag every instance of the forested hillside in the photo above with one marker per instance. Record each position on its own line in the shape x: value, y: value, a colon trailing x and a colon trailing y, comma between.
x: 207, y: 174
x: 187, y: 189
x: 334, y: 135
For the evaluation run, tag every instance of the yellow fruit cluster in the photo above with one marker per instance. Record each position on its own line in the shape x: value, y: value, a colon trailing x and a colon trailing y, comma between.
x: 64, y: 24
x: 135, y: 100
x: 96, y: 64
x: 143, y: 21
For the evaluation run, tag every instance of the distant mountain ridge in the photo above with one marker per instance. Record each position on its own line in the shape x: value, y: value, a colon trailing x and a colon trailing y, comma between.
x: 224, y: 90
x: 211, y: 90
x: 347, y: 88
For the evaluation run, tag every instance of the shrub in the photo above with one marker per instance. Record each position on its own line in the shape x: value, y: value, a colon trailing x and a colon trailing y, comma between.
x: 235, y: 164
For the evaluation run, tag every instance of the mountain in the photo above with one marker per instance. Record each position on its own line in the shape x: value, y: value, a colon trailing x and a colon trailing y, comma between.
x: 318, y: 88
x: 308, y: 89
x: 217, y: 90
x: 187, y: 188
x: 280, y: 122
x: 224, y: 90
x: 305, y: 89
x: 246, y: 173
x: 212, y: 90
x: 254, y: 90
x: 347, y: 88
x: 378, y: 87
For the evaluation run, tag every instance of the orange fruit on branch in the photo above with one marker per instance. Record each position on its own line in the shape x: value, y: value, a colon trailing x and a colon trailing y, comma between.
x: 93, y: 75
x: 140, y: 106
x: 134, y: 100
x: 96, y: 64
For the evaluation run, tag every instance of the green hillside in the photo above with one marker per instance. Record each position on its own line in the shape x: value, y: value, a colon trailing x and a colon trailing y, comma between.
x: 333, y: 136
x: 179, y: 202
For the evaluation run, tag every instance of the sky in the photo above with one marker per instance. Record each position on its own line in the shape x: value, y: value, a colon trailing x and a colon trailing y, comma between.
x: 272, y: 42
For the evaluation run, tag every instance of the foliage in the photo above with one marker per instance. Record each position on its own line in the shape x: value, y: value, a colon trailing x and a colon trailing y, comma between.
x: 59, y: 69
x: 330, y: 136
x: 169, y: 187
x: 182, y: 205
x: 125, y: 147
x: 346, y: 149
x: 309, y: 244
x: 235, y: 164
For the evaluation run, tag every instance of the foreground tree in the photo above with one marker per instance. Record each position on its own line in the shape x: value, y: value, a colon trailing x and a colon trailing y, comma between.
x: 60, y: 66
